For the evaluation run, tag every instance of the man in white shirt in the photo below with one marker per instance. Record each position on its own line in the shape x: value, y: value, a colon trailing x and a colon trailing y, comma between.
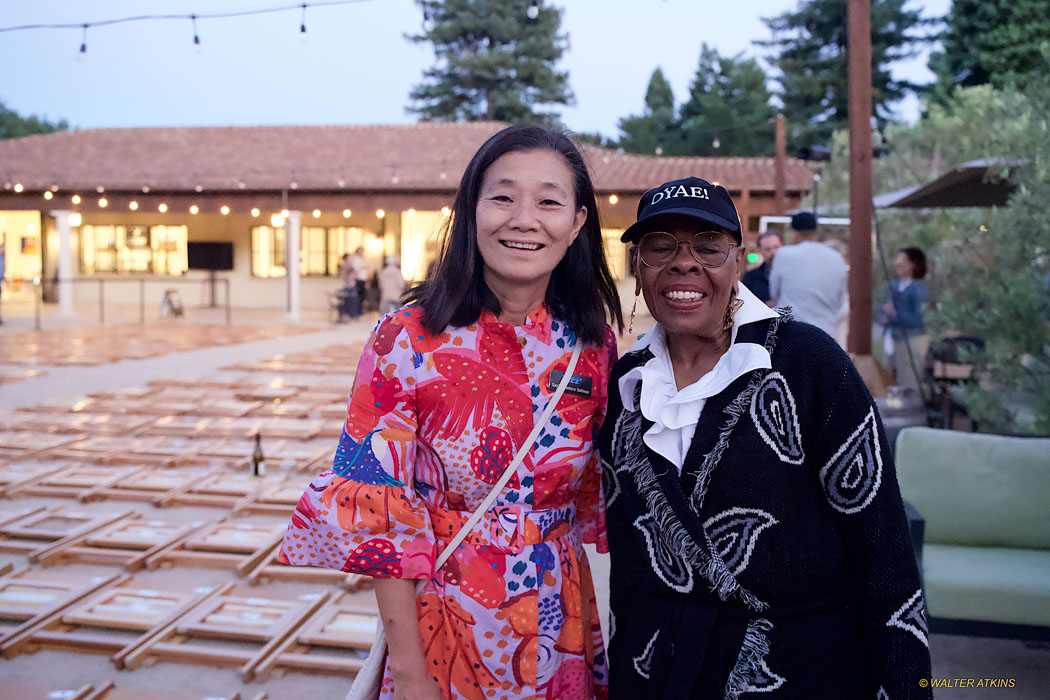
x: 810, y: 277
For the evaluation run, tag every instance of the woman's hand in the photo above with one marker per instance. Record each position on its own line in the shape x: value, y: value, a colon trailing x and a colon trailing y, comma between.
x: 415, y: 686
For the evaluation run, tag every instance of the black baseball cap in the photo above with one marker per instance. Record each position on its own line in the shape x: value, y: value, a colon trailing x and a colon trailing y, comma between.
x: 804, y: 221
x: 691, y: 197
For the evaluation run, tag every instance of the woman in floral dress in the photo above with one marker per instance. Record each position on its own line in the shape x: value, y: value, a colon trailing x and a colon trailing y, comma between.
x: 447, y: 390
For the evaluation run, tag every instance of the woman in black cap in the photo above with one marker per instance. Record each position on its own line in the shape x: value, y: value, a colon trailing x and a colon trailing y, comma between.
x: 758, y: 538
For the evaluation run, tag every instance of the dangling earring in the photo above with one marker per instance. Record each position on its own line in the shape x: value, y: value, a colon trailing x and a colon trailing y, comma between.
x: 630, y: 328
x: 731, y: 309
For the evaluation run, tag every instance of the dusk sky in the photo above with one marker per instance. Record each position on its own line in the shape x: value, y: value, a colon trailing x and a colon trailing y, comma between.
x: 356, y: 67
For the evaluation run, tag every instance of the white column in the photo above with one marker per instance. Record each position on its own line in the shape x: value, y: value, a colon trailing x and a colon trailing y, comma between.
x: 65, y: 264
x: 291, y: 264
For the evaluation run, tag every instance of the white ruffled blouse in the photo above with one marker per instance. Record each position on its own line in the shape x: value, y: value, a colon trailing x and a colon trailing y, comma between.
x: 675, y: 412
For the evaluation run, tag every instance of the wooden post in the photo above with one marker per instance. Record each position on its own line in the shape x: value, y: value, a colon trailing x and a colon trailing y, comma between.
x: 778, y: 165
x: 860, y: 204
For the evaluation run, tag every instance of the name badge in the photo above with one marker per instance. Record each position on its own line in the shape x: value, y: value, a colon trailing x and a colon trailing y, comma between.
x: 579, y: 385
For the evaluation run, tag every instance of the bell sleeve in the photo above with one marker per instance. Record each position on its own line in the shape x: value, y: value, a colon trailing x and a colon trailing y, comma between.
x: 590, y: 503
x: 860, y: 485
x: 364, y: 514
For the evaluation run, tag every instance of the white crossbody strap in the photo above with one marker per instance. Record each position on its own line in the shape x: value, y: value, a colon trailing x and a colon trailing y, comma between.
x: 513, y: 466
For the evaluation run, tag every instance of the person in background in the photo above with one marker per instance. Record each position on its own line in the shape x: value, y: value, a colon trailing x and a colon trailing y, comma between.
x: 3, y: 269
x: 757, y: 280
x: 391, y: 285
x: 809, y: 277
x: 361, y: 275
x: 350, y: 305
x: 902, y: 317
x: 758, y: 541
x: 447, y: 391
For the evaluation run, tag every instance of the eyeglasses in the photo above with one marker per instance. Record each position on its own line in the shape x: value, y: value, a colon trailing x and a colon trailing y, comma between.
x: 709, y: 248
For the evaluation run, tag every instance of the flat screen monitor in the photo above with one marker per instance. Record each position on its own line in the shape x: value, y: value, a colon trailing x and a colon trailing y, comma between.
x: 209, y: 255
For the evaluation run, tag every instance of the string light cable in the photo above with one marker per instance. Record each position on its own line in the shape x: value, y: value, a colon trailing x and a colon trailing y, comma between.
x: 193, y: 17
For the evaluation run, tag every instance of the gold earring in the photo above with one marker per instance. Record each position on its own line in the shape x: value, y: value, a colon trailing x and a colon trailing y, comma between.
x: 630, y: 328
x: 731, y: 309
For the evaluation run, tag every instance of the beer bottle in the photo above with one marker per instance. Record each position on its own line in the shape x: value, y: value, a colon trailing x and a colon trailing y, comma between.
x: 258, y: 463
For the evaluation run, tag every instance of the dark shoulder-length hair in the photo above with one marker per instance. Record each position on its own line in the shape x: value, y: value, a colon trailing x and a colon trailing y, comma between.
x: 581, y: 291
x: 918, y: 262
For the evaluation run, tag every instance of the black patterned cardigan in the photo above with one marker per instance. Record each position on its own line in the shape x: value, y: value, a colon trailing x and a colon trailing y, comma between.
x: 778, y: 565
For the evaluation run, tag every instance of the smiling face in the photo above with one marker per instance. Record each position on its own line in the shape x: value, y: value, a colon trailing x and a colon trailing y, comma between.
x: 526, y: 219
x: 685, y: 297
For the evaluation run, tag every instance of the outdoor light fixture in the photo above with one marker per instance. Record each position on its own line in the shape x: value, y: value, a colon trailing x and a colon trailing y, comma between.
x: 302, y: 25
x: 83, y: 46
x: 75, y: 219
x: 75, y: 199
x: 255, y: 211
x: 613, y: 199
x: 716, y: 144
x: 198, y: 188
x: 103, y: 202
x: 18, y: 187
x: 380, y: 213
x: 162, y: 207
x: 194, y: 209
x: 225, y: 210
x: 317, y: 213
x: 100, y: 189
x: 411, y: 212
x: 145, y: 189
x: 534, y: 10
x: 346, y: 213
x: 48, y: 195
x: 54, y: 188
x: 196, y: 37
x: 133, y: 206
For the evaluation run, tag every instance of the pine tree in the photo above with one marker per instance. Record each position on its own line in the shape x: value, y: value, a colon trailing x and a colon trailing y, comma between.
x: 728, y: 110
x: 494, y: 61
x: 13, y: 125
x: 654, y: 131
x: 991, y: 41
x: 809, y: 46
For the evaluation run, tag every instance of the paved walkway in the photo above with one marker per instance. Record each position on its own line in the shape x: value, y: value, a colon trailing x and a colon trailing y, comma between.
x: 954, y: 657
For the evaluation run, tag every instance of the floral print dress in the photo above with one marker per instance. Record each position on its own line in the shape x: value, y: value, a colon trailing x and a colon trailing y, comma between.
x: 431, y: 424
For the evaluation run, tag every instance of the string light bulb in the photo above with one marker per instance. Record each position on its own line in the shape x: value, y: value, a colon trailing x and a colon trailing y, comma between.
x: 534, y: 10
x: 446, y: 212
x: 196, y: 36
x: 380, y: 213
x: 103, y: 202
x: 194, y: 209
x: 302, y: 25
x: 162, y: 207
x: 48, y: 195
x: 18, y: 187
x: 411, y: 212
x: 133, y: 206
x: 317, y: 213
x: 225, y: 210
x: 613, y: 199
x: 346, y: 213
x: 82, y: 54
x: 75, y: 199
x: 255, y: 211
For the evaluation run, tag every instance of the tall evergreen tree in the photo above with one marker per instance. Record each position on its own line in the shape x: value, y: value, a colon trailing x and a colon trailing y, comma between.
x: 13, y: 125
x: 728, y: 110
x: 991, y: 42
x: 655, y: 130
x: 494, y: 61
x: 809, y: 49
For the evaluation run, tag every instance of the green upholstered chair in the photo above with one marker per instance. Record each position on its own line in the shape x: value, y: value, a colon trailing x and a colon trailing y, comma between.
x: 986, y: 503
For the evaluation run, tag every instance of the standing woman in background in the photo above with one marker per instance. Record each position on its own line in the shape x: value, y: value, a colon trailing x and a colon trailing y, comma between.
x: 447, y: 391
x: 902, y: 317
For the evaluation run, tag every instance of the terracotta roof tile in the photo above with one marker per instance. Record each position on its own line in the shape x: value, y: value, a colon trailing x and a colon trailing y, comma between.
x: 413, y: 157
